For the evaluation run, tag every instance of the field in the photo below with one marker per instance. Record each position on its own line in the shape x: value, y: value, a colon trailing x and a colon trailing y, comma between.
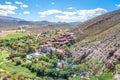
x: 13, y: 35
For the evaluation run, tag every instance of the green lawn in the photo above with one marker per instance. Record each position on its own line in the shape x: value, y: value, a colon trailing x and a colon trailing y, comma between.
x: 14, y: 35
x: 3, y: 55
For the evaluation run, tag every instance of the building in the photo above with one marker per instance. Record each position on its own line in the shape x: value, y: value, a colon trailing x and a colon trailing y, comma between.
x: 46, y: 48
x: 63, y: 39
x: 59, y: 40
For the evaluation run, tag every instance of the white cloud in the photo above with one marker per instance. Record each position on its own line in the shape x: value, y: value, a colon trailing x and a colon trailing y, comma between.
x: 42, y: 16
x: 92, y: 12
x: 7, y: 9
x: 8, y: 3
x: 66, y: 17
x: 118, y: 5
x: 5, y: 13
x: 69, y: 13
x: 70, y: 8
x: 81, y: 15
x: 26, y: 12
x: 49, y: 12
x: 24, y: 6
x: 17, y: 2
x: 52, y: 3
x: 74, y: 15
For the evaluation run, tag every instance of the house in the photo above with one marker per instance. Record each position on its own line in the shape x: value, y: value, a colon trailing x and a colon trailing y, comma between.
x: 63, y: 39
x: 46, y: 48
x: 59, y: 40
x: 60, y: 50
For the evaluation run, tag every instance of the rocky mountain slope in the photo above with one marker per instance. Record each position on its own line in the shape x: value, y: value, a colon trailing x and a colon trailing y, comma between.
x: 97, y: 25
x: 98, y: 40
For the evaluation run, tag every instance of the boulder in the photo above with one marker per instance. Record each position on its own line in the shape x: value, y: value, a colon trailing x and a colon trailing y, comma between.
x: 117, y: 54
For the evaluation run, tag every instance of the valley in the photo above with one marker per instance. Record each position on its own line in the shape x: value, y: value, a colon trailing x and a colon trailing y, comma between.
x: 87, y: 51
x: 44, y: 55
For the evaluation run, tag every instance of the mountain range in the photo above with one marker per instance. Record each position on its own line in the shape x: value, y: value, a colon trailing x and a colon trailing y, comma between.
x: 11, y: 22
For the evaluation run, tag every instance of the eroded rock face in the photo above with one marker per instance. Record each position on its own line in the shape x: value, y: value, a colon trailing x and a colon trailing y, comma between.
x: 111, y: 53
x: 100, y: 51
x: 110, y: 65
x: 117, y: 54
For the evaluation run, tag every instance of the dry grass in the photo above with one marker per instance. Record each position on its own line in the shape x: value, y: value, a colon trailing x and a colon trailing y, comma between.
x: 96, y: 25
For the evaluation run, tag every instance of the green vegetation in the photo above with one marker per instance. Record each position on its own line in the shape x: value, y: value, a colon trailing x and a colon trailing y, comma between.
x: 14, y: 35
x: 3, y: 55
x: 47, y: 66
x: 14, y: 64
x: 105, y: 76
x: 7, y: 68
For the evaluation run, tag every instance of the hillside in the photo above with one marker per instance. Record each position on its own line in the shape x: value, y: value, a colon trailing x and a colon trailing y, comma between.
x: 98, y: 41
x: 11, y: 22
x: 96, y: 25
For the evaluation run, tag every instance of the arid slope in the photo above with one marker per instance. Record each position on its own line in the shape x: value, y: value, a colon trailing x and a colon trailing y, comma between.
x: 97, y: 38
x: 96, y: 25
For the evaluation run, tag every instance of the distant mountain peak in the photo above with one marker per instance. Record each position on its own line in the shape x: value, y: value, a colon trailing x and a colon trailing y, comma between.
x: 6, y: 21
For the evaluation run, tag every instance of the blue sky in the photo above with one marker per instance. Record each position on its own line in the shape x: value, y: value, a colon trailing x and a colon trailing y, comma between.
x: 57, y: 10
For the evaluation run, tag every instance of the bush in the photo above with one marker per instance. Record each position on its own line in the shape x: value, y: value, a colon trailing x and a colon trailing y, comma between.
x: 18, y: 62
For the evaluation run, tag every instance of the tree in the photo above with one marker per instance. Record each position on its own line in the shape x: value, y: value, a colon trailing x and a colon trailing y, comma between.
x: 76, y: 78
x: 82, y: 67
x: 43, y: 58
x: 18, y: 62
x: 63, y: 74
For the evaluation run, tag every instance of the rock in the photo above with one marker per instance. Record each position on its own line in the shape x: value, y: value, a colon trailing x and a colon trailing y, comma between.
x: 117, y: 54
x: 110, y: 66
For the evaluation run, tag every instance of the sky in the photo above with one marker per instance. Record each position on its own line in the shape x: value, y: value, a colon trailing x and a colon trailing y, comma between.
x: 57, y: 10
